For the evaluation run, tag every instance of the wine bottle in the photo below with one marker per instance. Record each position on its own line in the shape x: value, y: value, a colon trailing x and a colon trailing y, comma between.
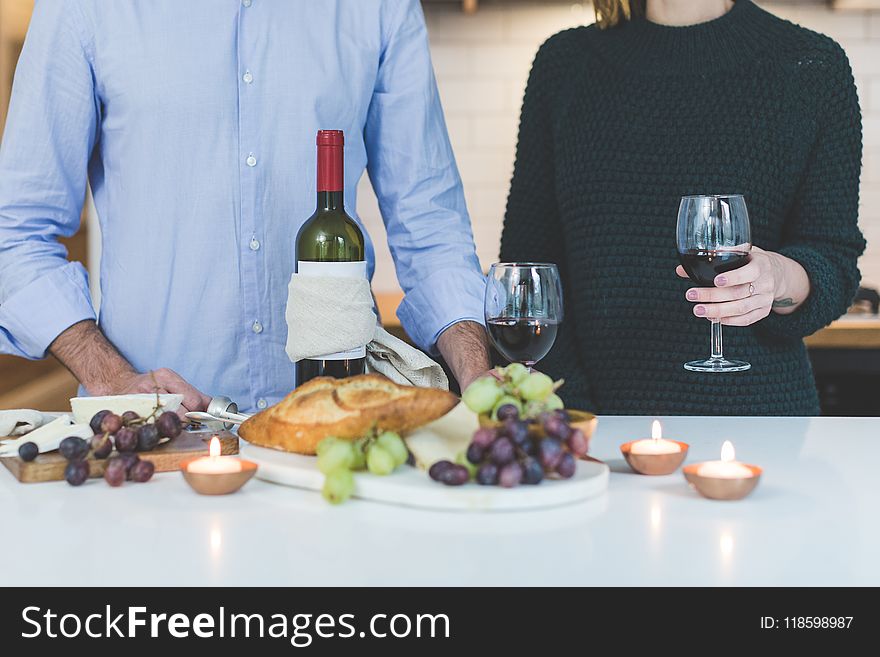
x: 330, y: 243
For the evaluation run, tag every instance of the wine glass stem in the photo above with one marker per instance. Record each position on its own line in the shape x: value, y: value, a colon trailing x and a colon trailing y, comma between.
x: 717, y: 351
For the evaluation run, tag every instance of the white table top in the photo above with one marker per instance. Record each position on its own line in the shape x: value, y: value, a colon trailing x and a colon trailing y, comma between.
x: 813, y: 520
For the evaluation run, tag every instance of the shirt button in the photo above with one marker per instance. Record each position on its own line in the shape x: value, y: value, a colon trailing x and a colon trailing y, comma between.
x: 255, y: 244
x: 251, y: 160
x: 257, y: 327
x: 247, y: 77
x: 247, y: 3
x: 262, y: 403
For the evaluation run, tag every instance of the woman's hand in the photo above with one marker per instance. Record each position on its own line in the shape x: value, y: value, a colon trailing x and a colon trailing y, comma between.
x: 741, y: 297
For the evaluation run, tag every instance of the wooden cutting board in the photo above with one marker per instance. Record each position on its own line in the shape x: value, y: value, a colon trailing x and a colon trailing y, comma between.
x: 166, y: 457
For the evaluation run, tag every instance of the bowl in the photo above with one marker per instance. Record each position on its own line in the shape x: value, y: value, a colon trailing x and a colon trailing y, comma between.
x: 218, y: 484
x: 716, y: 488
x: 582, y: 420
x: 654, y: 464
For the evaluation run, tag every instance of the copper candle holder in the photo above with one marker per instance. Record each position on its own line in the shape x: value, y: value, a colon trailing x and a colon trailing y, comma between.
x: 654, y: 464
x: 220, y: 483
x: 718, y: 488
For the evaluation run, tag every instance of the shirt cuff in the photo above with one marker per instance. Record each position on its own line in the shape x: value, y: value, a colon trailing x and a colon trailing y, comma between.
x: 35, y: 315
x: 825, y: 303
x: 443, y: 298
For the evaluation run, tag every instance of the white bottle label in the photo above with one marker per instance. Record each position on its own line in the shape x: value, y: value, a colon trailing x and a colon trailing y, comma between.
x: 356, y: 269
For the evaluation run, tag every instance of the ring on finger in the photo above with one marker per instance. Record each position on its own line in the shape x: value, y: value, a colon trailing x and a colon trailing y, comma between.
x: 751, y: 289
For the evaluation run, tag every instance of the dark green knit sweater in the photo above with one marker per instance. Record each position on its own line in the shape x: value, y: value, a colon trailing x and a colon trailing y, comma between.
x: 616, y: 126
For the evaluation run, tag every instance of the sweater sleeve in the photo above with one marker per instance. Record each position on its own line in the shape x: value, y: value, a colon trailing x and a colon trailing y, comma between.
x: 532, y: 230
x: 821, y: 231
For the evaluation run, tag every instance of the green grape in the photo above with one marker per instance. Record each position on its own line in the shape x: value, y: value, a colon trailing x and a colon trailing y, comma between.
x: 360, y: 454
x: 338, y: 486
x: 324, y: 444
x: 338, y: 456
x: 481, y: 395
x: 553, y: 402
x: 506, y: 399
x: 395, y: 446
x: 516, y: 372
x: 461, y: 459
x: 380, y: 461
x: 536, y: 387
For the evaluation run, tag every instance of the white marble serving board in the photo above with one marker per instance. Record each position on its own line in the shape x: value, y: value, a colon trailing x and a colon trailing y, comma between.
x: 410, y: 486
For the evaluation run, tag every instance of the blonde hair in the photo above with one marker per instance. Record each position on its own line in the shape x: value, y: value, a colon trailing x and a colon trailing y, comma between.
x: 611, y: 12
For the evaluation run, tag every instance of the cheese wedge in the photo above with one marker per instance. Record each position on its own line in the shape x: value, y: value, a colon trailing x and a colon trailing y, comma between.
x: 49, y: 436
x: 84, y: 408
x: 443, y: 439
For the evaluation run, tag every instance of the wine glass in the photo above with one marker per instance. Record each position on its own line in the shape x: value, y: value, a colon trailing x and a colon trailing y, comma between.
x: 523, y: 309
x: 713, y: 237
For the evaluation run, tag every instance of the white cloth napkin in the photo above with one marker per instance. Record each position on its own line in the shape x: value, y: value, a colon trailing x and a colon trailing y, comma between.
x: 20, y: 421
x: 326, y: 315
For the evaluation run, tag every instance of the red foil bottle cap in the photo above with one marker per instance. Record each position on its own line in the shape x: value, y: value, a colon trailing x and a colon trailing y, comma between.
x: 330, y: 138
x: 330, y: 160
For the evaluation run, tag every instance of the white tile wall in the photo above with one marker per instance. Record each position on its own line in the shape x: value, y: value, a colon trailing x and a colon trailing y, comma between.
x: 482, y: 62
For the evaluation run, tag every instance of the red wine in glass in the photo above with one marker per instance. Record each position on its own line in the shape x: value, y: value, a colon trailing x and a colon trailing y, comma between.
x: 704, y: 266
x: 523, y: 339
x: 713, y: 236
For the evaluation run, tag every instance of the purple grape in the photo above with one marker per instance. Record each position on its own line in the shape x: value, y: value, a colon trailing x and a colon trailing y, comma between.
x: 530, y: 447
x: 101, y: 445
x: 28, y: 451
x: 455, y: 475
x: 435, y: 472
x: 502, y: 451
x: 76, y: 472
x: 74, y: 448
x: 533, y: 472
x: 510, y: 475
x: 549, y: 453
x: 487, y: 474
x: 147, y: 437
x: 130, y: 417
x: 578, y: 443
x: 115, y: 472
x: 475, y: 453
x: 111, y: 423
x: 168, y: 425
x: 142, y: 471
x: 484, y: 437
x: 507, y: 412
x: 126, y: 440
x: 129, y: 460
x: 95, y: 422
x: 567, y: 466
x: 554, y: 426
x: 563, y: 415
x: 517, y: 431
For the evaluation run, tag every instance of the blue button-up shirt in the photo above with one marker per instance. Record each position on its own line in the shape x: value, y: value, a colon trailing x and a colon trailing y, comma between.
x: 195, y: 123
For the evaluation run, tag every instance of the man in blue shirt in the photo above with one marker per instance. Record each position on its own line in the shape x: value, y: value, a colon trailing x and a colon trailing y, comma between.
x: 195, y: 123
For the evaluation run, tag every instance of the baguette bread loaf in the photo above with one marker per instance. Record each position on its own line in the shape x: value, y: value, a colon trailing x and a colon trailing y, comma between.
x: 345, y: 408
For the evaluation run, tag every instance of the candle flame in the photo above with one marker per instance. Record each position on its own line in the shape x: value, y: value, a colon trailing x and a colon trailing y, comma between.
x: 214, y: 447
x: 656, y: 430
x: 727, y: 452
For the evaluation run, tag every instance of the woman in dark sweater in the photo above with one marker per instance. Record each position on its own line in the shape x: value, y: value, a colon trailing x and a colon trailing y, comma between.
x: 618, y: 123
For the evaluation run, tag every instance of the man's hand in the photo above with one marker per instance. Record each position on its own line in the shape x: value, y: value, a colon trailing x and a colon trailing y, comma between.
x: 102, y: 370
x: 465, y: 347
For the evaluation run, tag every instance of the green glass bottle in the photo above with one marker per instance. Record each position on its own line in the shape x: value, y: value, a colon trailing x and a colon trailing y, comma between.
x: 330, y: 243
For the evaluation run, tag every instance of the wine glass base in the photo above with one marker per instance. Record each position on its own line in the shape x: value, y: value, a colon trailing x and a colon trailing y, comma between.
x: 717, y: 365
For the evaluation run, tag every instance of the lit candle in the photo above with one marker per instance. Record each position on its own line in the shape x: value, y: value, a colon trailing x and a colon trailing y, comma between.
x: 727, y: 468
x: 656, y: 444
x: 214, y: 464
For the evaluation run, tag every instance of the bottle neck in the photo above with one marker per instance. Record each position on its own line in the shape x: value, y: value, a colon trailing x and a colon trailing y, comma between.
x: 330, y: 201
